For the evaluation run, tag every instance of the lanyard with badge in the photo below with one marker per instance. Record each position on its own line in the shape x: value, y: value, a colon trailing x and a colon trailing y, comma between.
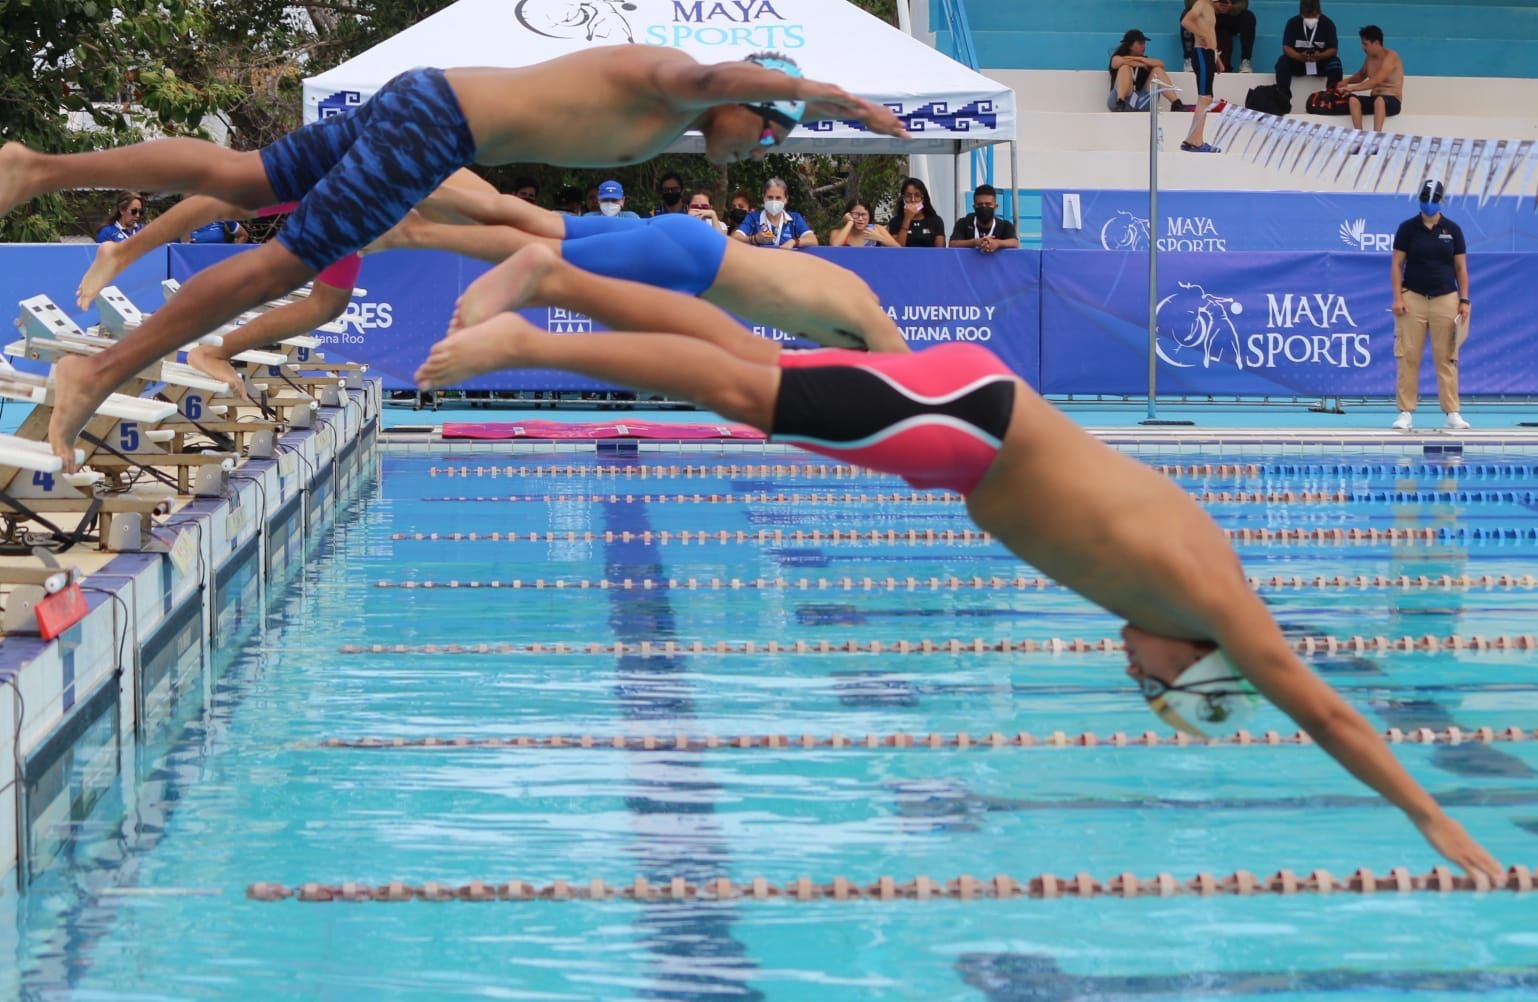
x: 978, y: 234
x: 1310, y: 68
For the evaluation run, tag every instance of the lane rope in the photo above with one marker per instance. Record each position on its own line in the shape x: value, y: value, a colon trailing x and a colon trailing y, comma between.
x: 1303, y: 497
x: 1046, y: 886
x: 812, y: 471
x: 1361, y: 582
x: 663, y: 648
x: 961, y: 741
x: 975, y: 537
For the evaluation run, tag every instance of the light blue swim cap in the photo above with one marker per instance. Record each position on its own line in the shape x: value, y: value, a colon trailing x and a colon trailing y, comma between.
x: 786, y: 113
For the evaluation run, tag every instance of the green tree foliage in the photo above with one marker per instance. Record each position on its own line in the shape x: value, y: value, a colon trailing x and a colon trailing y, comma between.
x: 132, y: 68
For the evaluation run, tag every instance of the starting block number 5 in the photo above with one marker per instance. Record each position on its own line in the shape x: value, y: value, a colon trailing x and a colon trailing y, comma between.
x: 128, y: 436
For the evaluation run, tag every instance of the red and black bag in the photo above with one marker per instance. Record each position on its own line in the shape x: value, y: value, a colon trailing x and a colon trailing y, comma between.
x: 1328, y: 102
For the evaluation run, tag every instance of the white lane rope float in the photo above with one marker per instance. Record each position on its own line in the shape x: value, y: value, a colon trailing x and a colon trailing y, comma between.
x: 818, y: 471
x: 1361, y: 582
x: 1455, y: 535
x: 1046, y: 886
x: 1357, y: 644
x: 960, y: 741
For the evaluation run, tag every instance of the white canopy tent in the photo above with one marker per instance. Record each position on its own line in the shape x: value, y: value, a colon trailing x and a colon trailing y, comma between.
x: 947, y: 107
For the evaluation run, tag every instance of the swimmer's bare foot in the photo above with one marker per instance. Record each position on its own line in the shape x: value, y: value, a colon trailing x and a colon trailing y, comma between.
x: 473, y: 351
x: 77, y: 392
x: 14, y: 189
x: 102, y: 271
x: 509, y: 285
x: 402, y: 234
x: 214, y: 365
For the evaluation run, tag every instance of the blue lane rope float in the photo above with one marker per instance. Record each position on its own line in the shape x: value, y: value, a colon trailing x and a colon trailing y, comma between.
x: 1306, y: 497
x: 1046, y: 886
x: 1308, y: 645
x: 1361, y: 582
x: 960, y: 741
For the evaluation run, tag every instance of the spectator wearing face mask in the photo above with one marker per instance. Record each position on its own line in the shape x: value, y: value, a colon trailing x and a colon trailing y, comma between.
x: 916, y: 223
x: 670, y: 193
x: 611, y: 202
x: 740, y: 204
x: 1310, y: 48
x: 775, y: 226
x: 983, y: 229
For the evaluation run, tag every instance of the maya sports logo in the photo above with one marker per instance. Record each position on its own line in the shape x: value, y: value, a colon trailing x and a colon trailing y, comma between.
x: 600, y: 21
x: 1197, y: 328
x: 1124, y: 232
x: 1353, y: 233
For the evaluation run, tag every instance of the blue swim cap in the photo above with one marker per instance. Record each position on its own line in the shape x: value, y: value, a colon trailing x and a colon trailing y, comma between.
x: 786, y: 113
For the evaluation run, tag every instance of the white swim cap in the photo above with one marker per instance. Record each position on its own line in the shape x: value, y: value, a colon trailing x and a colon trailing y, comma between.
x: 1210, y: 692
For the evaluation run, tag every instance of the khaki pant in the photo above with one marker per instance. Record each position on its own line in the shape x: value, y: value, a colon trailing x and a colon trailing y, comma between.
x: 1438, y: 316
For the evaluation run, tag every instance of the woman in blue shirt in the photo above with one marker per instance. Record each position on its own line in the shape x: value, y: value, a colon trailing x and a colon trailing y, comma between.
x: 127, y: 219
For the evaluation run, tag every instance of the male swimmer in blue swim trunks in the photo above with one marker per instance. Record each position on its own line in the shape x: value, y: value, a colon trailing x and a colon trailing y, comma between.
x: 356, y: 174
x: 954, y: 416
x: 794, y: 292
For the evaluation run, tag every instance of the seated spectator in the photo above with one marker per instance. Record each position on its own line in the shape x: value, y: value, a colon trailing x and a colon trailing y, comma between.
x: 220, y: 231
x: 527, y: 189
x: 591, y: 201
x: 568, y: 202
x: 775, y: 226
x: 1235, y: 20
x: 127, y: 219
x: 1381, y: 77
x: 1310, y: 48
x: 916, y: 223
x: 1132, y: 73
x: 859, y: 228
x: 611, y: 202
x: 701, y: 207
x: 740, y: 205
x: 670, y: 194
x: 983, y: 229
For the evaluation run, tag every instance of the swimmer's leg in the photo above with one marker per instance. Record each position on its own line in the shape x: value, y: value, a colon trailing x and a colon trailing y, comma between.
x: 185, y: 165
x: 176, y: 222
x: 680, y: 367
x: 537, y: 276
x: 324, y: 304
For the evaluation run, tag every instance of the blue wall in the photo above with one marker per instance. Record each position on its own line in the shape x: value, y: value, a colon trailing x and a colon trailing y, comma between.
x: 1435, y: 37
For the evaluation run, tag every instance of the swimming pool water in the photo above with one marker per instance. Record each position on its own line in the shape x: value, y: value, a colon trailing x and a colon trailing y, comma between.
x: 147, y: 900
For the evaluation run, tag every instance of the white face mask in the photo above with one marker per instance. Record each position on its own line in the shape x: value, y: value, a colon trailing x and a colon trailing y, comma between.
x: 1310, y: 23
x: 609, y: 208
x: 774, y: 206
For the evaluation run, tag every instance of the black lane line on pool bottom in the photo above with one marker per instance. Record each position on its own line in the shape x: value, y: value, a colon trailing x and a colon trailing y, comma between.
x: 1033, y: 977
x: 692, y: 945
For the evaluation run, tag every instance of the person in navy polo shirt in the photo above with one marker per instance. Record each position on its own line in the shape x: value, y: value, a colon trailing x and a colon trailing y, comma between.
x: 220, y: 231
x: 1430, y: 278
x: 127, y: 219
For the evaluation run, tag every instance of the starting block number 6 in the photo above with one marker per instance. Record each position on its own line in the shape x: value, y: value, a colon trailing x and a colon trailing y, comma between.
x: 192, y: 406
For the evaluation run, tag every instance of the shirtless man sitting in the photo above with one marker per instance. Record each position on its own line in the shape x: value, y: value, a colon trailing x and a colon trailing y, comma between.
x: 955, y: 417
x: 356, y: 174
x: 1381, y: 78
x: 794, y: 292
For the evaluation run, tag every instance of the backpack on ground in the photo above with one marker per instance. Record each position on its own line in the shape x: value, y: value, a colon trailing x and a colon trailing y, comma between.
x: 1328, y: 102
x: 1268, y: 98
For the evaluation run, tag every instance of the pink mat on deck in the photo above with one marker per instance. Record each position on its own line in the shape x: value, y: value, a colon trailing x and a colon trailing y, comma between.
x: 573, y: 431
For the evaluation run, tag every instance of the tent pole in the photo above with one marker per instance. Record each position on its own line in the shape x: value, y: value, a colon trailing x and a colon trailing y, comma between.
x: 956, y: 212
x: 1014, y: 184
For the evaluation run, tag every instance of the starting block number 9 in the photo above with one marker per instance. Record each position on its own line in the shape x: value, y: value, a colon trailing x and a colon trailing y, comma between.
x: 302, y: 354
x: 128, y: 436
x: 192, y: 406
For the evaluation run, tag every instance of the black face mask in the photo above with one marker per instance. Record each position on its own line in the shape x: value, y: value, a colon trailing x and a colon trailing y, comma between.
x: 671, y: 198
x: 983, y: 215
x: 736, y: 216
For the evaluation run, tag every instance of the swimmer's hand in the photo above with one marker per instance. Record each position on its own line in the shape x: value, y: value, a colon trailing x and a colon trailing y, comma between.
x: 827, y: 101
x: 1448, y: 838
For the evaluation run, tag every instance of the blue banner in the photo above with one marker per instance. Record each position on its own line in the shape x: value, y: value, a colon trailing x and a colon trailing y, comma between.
x: 1222, y: 222
x: 1263, y: 324
x: 55, y: 270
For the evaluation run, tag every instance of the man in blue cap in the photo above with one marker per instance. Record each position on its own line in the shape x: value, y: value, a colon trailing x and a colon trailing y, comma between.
x: 1430, y: 279
x: 611, y: 201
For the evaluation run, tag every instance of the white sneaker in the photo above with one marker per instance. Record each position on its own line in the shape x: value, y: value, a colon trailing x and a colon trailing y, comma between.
x: 1403, y: 421
x: 1189, y: 68
x: 1245, y: 67
x: 1455, y: 422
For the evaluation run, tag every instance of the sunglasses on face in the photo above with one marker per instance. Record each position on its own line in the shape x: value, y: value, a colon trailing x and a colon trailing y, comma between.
x: 700, y: 205
x: 136, y: 212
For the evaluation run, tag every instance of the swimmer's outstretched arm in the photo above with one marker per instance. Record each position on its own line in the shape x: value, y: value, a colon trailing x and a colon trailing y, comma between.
x: 685, y: 84
x: 1257, y: 648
